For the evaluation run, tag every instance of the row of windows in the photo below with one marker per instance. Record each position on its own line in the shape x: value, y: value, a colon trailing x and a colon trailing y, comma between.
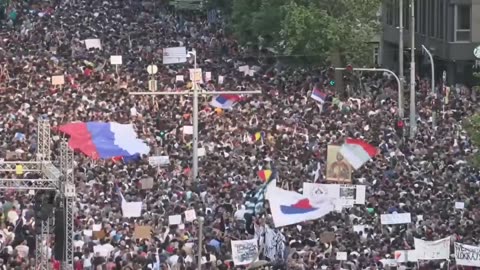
x: 430, y: 18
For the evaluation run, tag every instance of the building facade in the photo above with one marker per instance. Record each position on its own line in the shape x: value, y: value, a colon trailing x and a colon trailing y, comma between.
x: 450, y: 29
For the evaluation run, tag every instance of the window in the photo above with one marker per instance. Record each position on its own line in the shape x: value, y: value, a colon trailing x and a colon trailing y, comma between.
x: 376, y: 56
x: 462, y: 23
x: 431, y: 23
x: 440, y: 21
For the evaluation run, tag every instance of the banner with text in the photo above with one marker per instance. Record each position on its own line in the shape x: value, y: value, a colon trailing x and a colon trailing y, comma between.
x: 467, y: 255
x: 244, y: 251
x: 433, y: 250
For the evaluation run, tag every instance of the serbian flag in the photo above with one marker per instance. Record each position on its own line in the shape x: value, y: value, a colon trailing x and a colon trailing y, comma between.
x: 357, y: 152
x: 318, y: 95
x: 289, y: 207
x: 225, y: 102
x: 264, y: 175
x: 105, y: 140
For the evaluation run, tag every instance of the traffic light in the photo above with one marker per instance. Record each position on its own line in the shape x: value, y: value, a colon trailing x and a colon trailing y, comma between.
x: 331, y: 82
x: 349, y: 68
x: 331, y: 76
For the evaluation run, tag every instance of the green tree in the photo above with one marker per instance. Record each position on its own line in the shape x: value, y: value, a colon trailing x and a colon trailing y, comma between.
x: 472, y: 126
x: 338, y: 30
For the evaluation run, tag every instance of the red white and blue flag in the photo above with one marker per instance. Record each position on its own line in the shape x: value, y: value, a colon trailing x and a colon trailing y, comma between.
x: 225, y: 102
x: 319, y: 95
x: 289, y: 207
x: 105, y: 140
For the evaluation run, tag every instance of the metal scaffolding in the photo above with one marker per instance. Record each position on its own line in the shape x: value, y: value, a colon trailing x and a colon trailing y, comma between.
x: 54, y: 179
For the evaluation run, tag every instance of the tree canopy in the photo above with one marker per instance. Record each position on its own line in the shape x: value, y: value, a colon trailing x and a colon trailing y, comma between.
x: 472, y: 126
x: 340, y: 29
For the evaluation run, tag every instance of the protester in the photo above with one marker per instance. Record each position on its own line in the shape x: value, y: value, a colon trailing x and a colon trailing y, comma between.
x: 424, y: 176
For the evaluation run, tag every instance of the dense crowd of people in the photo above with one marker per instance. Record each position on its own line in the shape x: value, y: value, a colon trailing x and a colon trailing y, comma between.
x: 424, y: 176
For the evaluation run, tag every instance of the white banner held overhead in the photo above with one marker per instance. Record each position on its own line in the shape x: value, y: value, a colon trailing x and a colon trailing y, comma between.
x: 174, y: 55
x: 391, y: 219
x: 93, y: 43
x: 131, y: 209
x: 433, y: 250
x: 116, y: 60
x: 403, y: 256
x: 467, y: 255
x: 159, y: 160
x: 344, y: 195
x: 244, y: 251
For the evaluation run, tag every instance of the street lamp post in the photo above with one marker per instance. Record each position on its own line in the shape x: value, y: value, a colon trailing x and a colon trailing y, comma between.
x: 400, y: 62
x: 195, y: 107
x: 432, y: 65
x: 400, y: 96
x: 413, y: 120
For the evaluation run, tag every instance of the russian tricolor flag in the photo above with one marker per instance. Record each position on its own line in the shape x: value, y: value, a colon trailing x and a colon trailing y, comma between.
x: 105, y: 140
x: 224, y: 101
x: 319, y: 95
x: 357, y: 152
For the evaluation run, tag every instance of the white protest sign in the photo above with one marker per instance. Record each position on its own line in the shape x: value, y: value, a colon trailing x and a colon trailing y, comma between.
x: 188, y: 130
x: 174, y: 220
x: 391, y: 219
x: 459, y: 205
x: 97, y: 227
x: 93, y: 43
x: 174, y: 55
x: 344, y: 195
x: 131, y: 209
x: 158, y: 160
x: 244, y: 251
x: 208, y: 76
x: 201, y: 152
x: 361, y: 228
x: 103, y: 251
x: 179, y: 78
x: 116, y: 60
x: 58, y: 80
x: 196, y: 76
x: 433, y: 250
x: 221, y: 79
x: 88, y: 233
x: 467, y: 255
x: 403, y: 256
x: 342, y: 256
x: 190, y: 215
x: 244, y: 69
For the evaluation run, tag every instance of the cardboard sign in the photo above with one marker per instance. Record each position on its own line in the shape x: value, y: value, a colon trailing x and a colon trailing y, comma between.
x: 327, y: 237
x: 116, y: 60
x: 190, y: 215
x: 58, y: 80
x: 147, y: 183
x: 142, y: 232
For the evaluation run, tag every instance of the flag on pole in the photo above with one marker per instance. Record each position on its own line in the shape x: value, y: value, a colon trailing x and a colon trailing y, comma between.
x: 357, y: 152
x: 289, y: 207
x: 319, y: 95
x: 224, y: 101
x: 264, y: 175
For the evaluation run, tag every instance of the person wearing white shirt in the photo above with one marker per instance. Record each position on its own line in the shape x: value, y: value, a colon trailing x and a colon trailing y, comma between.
x: 87, y: 261
x: 22, y: 249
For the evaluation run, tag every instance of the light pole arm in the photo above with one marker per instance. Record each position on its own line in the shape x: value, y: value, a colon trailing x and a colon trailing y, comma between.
x: 400, y: 108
